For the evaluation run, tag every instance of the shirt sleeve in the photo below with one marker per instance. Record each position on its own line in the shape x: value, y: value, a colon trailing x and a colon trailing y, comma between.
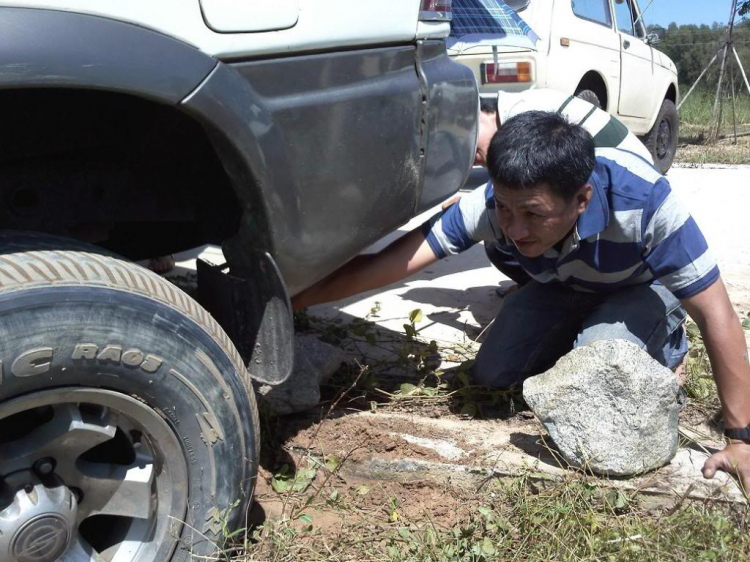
x: 460, y: 226
x: 675, y: 249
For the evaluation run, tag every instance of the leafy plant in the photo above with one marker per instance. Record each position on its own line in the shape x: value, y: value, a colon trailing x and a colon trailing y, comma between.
x: 286, y: 480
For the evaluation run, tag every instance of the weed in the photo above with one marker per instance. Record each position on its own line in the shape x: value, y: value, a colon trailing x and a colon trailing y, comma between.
x: 570, y: 519
x: 699, y: 381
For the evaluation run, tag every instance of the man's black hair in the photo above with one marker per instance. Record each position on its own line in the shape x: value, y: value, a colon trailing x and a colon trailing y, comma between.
x: 487, y: 105
x: 537, y: 147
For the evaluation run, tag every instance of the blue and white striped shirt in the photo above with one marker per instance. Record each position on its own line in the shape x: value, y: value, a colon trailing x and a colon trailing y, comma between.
x: 633, y: 231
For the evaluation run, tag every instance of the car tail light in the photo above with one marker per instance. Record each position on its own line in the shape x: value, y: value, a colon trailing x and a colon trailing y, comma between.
x: 435, y: 10
x: 506, y: 72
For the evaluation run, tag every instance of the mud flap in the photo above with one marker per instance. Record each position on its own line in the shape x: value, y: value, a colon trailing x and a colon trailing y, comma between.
x: 256, y: 313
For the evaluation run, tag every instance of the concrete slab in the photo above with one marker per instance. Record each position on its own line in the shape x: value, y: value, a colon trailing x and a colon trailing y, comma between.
x: 487, y: 449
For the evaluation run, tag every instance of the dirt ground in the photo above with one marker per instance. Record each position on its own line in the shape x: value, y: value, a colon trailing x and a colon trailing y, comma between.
x: 402, y: 453
x: 379, y: 456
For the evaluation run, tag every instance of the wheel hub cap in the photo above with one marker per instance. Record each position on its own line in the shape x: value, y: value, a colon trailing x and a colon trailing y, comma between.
x: 88, y: 475
x: 39, y: 524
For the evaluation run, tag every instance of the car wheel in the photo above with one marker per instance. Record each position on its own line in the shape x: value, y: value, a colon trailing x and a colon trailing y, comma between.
x: 661, y: 140
x: 590, y: 96
x: 126, y: 429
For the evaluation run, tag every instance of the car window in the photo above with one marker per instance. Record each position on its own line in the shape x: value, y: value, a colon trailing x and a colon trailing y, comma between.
x: 624, y: 16
x: 593, y: 10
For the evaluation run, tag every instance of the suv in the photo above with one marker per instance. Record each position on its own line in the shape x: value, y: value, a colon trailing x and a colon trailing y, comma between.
x: 292, y: 133
x: 598, y: 50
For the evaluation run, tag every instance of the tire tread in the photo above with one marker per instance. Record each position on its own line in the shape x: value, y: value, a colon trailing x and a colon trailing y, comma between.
x: 24, y: 255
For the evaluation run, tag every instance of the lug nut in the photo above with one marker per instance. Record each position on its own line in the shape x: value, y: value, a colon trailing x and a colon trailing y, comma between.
x: 43, y: 467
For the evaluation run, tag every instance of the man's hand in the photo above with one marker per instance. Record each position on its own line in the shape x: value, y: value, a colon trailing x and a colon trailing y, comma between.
x: 735, y: 459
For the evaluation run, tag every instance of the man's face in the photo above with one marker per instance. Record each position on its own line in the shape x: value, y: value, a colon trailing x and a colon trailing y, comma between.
x: 487, y: 129
x: 536, y: 219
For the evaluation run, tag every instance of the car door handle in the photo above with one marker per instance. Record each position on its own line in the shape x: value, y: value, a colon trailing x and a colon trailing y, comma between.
x: 626, y: 44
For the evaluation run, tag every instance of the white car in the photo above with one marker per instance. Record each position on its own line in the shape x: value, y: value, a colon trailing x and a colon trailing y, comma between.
x: 596, y: 49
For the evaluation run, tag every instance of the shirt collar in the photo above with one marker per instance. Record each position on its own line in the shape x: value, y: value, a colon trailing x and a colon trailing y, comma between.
x: 596, y: 216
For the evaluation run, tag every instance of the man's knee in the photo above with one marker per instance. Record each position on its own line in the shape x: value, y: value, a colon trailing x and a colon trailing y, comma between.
x: 486, y: 373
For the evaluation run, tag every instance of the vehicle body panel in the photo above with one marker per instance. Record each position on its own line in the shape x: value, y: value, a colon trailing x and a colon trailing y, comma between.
x: 346, y: 24
x: 636, y: 62
x: 243, y: 16
x: 338, y: 148
x: 105, y: 55
x: 593, y: 48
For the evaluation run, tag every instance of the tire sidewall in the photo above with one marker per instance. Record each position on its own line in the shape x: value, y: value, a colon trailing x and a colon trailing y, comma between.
x: 590, y: 97
x: 185, y: 376
x: 667, y: 112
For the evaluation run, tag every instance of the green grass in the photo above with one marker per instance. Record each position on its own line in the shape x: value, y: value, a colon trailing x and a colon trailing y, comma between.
x: 699, y: 382
x: 695, y: 127
x: 520, y: 520
x: 696, y: 113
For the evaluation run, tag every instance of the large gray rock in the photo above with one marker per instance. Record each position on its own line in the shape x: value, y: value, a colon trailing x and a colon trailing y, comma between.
x: 314, y: 362
x: 609, y: 407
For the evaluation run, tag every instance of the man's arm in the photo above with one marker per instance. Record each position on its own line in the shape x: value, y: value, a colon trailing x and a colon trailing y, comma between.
x: 727, y: 350
x: 398, y: 260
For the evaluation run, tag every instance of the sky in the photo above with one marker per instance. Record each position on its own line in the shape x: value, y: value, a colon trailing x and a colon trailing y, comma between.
x: 664, y: 12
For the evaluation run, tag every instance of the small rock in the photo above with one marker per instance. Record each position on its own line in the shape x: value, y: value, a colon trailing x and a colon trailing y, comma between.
x: 314, y: 362
x: 609, y: 407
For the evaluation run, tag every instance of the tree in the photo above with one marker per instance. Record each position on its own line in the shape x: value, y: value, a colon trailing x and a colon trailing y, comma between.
x: 743, y: 7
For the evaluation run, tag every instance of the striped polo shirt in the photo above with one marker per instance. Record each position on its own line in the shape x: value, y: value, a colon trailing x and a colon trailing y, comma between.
x: 606, y: 129
x: 634, y: 231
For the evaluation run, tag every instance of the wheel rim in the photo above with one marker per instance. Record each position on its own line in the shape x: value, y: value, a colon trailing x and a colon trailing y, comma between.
x: 664, y: 140
x: 88, y: 474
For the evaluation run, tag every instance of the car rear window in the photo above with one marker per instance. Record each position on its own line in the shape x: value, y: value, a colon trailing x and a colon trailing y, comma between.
x: 593, y: 10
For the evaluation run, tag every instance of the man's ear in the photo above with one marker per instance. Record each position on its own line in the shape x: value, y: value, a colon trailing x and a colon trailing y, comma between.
x: 583, y: 197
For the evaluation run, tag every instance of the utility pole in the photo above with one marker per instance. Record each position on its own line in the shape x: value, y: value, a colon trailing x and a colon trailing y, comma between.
x: 716, y: 115
x: 724, y: 50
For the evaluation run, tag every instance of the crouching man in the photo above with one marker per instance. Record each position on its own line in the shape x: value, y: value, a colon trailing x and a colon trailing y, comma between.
x: 610, y: 252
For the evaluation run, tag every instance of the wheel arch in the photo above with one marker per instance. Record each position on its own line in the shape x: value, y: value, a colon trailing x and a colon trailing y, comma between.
x: 71, y: 50
x: 594, y: 81
x: 96, y: 65
x: 81, y: 58
x: 671, y: 93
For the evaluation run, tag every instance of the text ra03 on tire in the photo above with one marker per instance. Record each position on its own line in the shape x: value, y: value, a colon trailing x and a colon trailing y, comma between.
x: 126, y: 429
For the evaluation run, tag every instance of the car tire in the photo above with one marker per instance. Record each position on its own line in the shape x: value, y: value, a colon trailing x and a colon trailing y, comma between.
x: 123, y: 406
x: 590, y: 96
x: 661, y: 140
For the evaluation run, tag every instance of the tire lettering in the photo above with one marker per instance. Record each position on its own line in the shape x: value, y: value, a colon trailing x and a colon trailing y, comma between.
x: 210, y: 429
x: 132, y: 357
x: 189, y: 450
x: 34, y: 362
x: 151, y: 363
x: 110, y: 353
x: 85, y: 351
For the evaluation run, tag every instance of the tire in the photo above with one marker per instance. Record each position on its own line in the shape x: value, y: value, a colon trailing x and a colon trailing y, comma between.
x: 590, y: 96
x: 661, y: 140
x: 123, y: 405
